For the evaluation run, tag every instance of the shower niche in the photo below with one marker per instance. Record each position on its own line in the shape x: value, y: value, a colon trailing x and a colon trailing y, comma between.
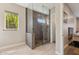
x: 37, y: 28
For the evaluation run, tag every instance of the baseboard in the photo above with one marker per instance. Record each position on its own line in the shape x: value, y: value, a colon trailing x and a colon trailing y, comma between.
x: 58, y: 53
x: 12, y: 45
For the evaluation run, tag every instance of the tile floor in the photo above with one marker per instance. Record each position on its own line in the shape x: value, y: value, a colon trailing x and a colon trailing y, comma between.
x: 46, y: 49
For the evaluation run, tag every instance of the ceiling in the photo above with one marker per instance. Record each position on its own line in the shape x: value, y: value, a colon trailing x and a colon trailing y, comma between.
x: 75, y: 8
x: 48, y: 5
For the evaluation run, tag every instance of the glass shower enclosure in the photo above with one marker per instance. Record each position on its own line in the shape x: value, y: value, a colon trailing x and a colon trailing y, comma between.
x: 40, y: 28
x: 37, y: 28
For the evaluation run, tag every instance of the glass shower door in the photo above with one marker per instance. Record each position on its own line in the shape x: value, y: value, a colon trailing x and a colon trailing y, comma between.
x: 45, y: 29
x: 40, y: 28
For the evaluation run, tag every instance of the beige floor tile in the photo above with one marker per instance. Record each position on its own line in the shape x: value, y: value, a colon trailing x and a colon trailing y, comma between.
x: 46, y: 49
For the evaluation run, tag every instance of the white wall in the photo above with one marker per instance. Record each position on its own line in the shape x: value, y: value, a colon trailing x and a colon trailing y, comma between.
x: 52, y: 25
x: 59, y: 28
x: 70, y: 23
x: 12, y: 37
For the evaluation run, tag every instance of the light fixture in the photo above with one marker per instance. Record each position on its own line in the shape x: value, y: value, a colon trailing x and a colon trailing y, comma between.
x: 41, y: 20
